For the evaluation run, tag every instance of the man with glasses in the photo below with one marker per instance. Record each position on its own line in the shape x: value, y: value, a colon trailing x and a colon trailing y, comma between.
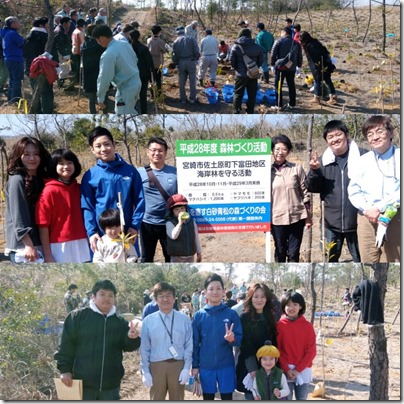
x: 375, y: 191
x: 159, y: 183
x: 166, y: 349
x: 329, y: 176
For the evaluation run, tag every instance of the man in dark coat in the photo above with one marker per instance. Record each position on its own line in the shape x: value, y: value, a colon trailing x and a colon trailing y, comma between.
x: 91, y: 54
x: 145, y: 65
x: 92, y: 343
x: 280, y: 50
x: 34, y: 45
x: 242, y: 82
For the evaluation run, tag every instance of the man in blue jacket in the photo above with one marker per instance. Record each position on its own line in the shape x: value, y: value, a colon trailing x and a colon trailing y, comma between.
x: 102, y: 183
x: 242, y: 82
x: 13, y: 44
x: 216, y: 330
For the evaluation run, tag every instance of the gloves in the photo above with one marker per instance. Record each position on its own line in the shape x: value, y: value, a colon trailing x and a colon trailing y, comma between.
x: 248, y: 382
x: 273, y: 69
x: 298, y: 71
x: 184, y: 376
x: 380, y: 234
x: 147, y: 380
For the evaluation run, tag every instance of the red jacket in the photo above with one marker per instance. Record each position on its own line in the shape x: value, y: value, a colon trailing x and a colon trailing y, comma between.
x: 59, y: 209
x: 43, y: 65
x: 296, y: 343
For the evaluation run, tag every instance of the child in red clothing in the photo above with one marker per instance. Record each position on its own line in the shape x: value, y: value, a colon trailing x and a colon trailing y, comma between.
x: 296, y: 341
x: 58, y: 212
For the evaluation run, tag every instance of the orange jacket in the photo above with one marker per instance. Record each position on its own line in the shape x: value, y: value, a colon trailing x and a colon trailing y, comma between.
x: 43, y: 65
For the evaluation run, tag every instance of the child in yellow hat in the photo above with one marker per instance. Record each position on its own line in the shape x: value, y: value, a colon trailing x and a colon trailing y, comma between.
x: 269, y: 383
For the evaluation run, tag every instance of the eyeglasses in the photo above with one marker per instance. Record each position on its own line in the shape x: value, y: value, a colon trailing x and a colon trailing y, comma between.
x: 158, y: 151
x: 377, y: 132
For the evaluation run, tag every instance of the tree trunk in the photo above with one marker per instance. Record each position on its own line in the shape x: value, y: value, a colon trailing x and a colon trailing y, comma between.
x: 309, y: 143
x: 384, y: 26
x: 370, y: 19
x: 313, y: 292
x: 379, y: 360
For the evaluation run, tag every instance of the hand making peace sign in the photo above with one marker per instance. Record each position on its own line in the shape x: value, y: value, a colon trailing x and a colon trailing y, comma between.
x: 314, y: 162
x: 229, y: 336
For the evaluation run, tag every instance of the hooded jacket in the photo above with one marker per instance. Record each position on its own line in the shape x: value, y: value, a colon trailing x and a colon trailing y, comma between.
x: 331, y: 181
x: 211, y: 350
x: 91, y: 345
x: 58, y: 208
x: 34, y: 46
x: 251, y: 49
x: 296, y: 343
x: 99, y: 191
x: 13, y: 44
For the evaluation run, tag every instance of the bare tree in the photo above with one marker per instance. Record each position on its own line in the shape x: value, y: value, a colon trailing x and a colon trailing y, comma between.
x: 379, y: 360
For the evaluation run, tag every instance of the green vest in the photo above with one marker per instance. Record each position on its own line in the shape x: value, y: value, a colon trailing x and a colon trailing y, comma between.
x: 185, y: 244
x: 266, y: 385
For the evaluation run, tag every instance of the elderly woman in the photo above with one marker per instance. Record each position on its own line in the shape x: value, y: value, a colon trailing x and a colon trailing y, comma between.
x: 290, y: 202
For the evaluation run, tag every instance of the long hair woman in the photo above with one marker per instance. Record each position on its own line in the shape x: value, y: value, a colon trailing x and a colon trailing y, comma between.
x: 320, y: 64
x: 258, y: 324
x: 27, y: 169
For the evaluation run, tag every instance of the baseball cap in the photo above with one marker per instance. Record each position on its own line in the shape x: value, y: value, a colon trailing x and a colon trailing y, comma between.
x: 176, y: 200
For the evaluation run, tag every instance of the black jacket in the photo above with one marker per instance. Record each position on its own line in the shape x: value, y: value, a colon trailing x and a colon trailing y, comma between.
x: 144, y: 60
x: 319, y: 59
x: 91, y: 346
x: 366, y: 298
x: 251, y: 49
x: 62, y: 43
x: 91, y: 54
x: 34, y: 45
x: 332, y: 184
x: 282, y: 47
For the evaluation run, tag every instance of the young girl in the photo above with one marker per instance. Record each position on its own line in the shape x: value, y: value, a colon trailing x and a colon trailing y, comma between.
x: 269, y: 382
x: 110, y: 248
x: 297, y: 344
x: 183, y: 241
x: 27, y: 168
x: 58, y: 212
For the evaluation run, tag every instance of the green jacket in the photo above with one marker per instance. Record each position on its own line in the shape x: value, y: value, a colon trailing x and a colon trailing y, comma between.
x: 267, y: 384
x: 265, y: 40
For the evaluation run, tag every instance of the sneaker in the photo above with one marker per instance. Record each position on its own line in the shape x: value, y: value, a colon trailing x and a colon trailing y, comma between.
x: 276, y: 108
x: 288, y: 106
x: 183, y: 101
x: 194, y: 101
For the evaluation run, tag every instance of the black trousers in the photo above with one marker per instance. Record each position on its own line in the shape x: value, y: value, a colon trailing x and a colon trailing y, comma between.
x: 240, y: 84
x: 287, y: 241
x: 290, y: 80
x: 150, y: 234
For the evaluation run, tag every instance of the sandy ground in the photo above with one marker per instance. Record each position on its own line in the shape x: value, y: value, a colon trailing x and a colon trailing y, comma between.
x: 345, y: 366
x: 367, y: 81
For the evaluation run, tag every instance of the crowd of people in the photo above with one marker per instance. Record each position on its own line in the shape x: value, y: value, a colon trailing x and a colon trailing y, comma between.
x: 95, y: 56
x: 51, y: 217
x: 252, y: 349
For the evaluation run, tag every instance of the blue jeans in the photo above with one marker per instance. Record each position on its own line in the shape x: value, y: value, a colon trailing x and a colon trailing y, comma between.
x: 264, y: 66
x: 318, y: 85
x: 16, y: 73
x: 301, y: 391
x: 338, y: 238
